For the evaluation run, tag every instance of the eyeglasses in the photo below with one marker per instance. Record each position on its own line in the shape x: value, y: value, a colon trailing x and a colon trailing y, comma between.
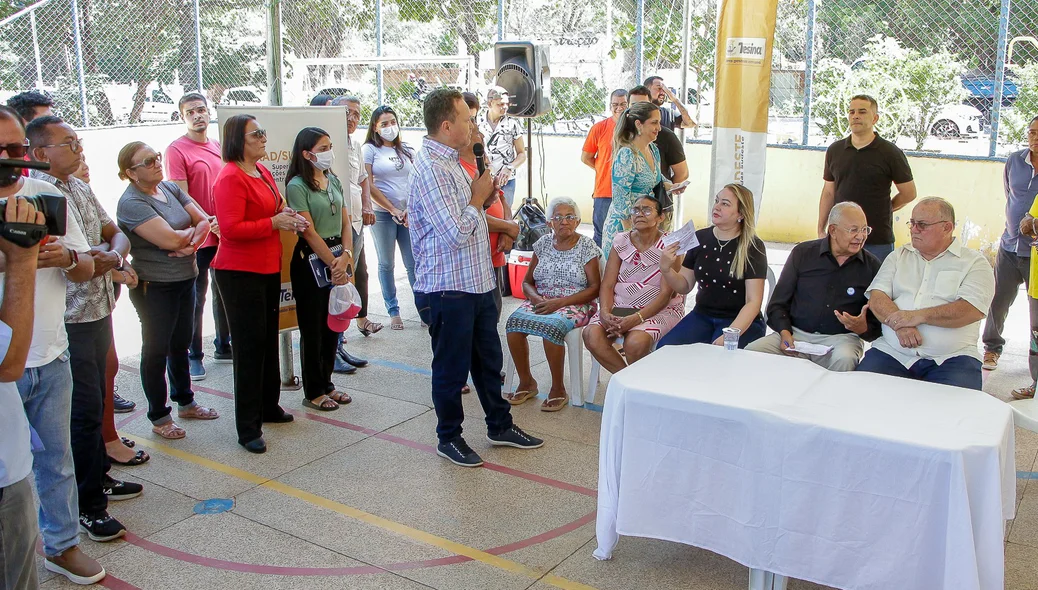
x: 561, y: 218
x: 642, y: 211
x: 76, y: 145
x: 15, y: 150
x: 259, y: 133
x: 857, y: 230
x: 921, y: 225
x: 353, y: 115
x: 149, y: 162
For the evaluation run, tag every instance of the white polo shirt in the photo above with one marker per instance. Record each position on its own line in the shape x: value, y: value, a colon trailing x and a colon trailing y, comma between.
x: 358, y: 173
x: 913, y: 282
x: 15, y: 453
x: 49, y: 338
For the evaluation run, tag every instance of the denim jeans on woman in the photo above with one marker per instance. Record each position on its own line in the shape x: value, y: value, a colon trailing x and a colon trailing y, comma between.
x: 46, y: 393
x: 388, y: 234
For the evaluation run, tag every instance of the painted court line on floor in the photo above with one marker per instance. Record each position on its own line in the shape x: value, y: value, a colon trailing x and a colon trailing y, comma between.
x: 368, y: 518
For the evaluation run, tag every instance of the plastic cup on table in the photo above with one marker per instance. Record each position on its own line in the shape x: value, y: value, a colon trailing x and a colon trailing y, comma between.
x: 731, y: 338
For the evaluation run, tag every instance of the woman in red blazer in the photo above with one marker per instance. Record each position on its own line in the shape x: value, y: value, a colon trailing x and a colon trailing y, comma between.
x: 251, y: 213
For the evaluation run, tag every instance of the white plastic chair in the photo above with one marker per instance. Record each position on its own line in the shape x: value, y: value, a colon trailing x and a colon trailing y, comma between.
x: 1025, y: 413
x: 575, y: 352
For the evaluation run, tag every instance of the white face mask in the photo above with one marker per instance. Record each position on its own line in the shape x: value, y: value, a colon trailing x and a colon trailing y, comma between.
x: 324, y: 160
x: 389, y: 133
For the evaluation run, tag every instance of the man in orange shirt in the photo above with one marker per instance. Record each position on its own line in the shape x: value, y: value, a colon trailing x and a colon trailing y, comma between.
x: 598, y: 154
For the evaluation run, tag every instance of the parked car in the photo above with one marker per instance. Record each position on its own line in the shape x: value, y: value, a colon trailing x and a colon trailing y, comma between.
x: 957, y: 120
x: 159, y: 108
x: 981, y: 89
x: 242, y: 96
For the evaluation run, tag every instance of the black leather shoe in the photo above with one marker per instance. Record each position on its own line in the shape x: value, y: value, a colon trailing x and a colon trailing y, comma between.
x: 256, y: 445
x: 280, y: 419
x: 349, y: 358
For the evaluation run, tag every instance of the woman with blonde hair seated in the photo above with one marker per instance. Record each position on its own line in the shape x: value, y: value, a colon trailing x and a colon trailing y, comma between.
x: 560, y: 286
x: 730, y: 266
x: 634, y: 301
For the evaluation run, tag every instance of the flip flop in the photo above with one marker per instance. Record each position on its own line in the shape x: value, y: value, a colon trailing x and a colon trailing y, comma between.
x: 198, y: 413
x: 320, y: 406
x: 396, y: 323
x: 554, y: 404
x: 170, y: 431
x: 341, y: 397
x: 520, y: 397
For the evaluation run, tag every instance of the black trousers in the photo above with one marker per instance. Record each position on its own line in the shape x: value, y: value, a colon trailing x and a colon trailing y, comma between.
x: 222, y: 342
x: 88, y: 345
x: 252, y: 301
x: 166, y: 311
x: 317, y: 343
x: 360, y: 273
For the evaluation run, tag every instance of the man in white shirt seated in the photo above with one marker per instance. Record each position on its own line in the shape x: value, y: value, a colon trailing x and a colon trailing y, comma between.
x: 931, y: 296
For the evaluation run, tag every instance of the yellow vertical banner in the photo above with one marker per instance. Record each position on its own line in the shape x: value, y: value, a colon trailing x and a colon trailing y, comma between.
x: 745, y: 39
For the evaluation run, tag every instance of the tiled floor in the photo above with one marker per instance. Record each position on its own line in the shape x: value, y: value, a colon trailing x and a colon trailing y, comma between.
x: 356, y: 498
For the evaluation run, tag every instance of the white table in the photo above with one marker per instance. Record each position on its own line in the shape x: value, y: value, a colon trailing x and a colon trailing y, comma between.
x: 852, y: 480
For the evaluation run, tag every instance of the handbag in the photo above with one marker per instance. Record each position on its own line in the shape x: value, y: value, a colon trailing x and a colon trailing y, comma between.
x: 323, y: 274
x: 533, y: 225
x: 665, y: 198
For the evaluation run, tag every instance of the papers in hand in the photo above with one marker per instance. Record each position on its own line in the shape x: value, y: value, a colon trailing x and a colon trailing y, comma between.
x: 810, y: 349
x: 685, y: 238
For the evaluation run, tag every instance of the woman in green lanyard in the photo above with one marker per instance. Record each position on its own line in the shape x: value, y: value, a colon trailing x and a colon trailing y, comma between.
x: 313, y: 191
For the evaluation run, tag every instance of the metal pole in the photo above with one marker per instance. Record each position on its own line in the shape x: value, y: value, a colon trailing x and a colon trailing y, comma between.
x: 679, y: 209
x: 378, y: 49
x: 1000, y: 74
x: 529, y: 159
x: 79, y: 63
x: 500, y: 20
x: 274, y: 48
x: 639, y: 40
x: 198, y: 46
x: 36, y: 50
x: 809, y: 70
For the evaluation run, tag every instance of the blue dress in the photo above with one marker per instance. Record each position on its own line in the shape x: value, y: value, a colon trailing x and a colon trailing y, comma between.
x: 633, y: 178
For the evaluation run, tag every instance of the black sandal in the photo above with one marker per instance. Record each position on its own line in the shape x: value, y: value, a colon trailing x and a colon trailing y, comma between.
x: 129, y: 443
x: 320, y: 406
x: 139, y: 458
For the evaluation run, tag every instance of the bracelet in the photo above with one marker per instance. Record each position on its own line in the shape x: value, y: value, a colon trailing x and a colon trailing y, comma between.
x: 640, y: 317
x: 74, y: 256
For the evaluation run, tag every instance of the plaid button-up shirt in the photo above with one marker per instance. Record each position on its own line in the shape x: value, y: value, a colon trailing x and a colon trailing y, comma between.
x: 449, y: 237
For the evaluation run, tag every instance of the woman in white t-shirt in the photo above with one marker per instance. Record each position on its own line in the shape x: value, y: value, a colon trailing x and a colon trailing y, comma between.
x: 388, y: 162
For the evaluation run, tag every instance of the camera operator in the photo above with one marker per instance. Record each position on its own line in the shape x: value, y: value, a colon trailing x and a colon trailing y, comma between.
x: 45, y: 385
x: 17, y: 518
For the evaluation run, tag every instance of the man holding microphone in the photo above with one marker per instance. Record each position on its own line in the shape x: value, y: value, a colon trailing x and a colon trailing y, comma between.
x: 454, y: 289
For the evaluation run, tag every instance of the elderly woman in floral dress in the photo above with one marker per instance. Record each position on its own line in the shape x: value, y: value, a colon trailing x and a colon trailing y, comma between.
x: 560, y: 286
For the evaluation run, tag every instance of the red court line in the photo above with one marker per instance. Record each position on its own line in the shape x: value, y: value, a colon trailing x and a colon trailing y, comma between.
x: 569, y: 487
x: 115, y: 583
x: 130, y: 417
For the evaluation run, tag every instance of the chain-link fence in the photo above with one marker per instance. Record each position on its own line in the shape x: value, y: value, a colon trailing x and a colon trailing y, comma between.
x: 934, y: 65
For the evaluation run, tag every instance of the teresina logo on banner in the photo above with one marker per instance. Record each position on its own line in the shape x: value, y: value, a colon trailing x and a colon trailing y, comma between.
x: 745, y: 35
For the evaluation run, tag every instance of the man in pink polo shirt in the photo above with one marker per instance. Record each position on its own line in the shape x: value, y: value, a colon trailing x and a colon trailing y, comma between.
x: 193, y: 162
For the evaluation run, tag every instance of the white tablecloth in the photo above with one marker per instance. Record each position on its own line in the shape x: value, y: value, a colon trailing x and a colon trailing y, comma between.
x: 853, y: 480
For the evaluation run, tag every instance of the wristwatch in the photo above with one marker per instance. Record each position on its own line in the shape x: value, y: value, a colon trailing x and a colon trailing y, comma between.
x: 122, y: 263
x: 75, y: 260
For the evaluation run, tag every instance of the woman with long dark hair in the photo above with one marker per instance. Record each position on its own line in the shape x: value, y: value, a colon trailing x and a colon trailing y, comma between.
x: 636, y: 167
x: 313, y: 191
x: 389, y: 162
x: 251, y: 214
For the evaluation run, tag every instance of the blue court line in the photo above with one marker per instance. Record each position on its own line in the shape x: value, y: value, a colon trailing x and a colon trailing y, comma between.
x: 1027, y: 474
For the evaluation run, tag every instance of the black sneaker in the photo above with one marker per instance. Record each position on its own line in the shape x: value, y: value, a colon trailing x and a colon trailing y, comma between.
x: 223, y: 357
x: 515, y: 437
x: 458, y: 452
x: 121, y: 490
x: 121, y: 405
x: 101, y: 527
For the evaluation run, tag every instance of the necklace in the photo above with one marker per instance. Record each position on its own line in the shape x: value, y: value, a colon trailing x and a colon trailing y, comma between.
x: 725, y: 242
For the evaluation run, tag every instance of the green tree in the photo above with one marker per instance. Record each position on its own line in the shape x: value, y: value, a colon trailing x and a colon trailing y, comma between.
x: 1015, y: 120
x: 473, y: 20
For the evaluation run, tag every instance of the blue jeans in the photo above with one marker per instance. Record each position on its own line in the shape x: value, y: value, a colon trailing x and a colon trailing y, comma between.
x: 880, y: 251
x: 47, y: 398
x: 960, y: 371
x: 463, y: 327
x: 222, y: 341
x: 598, y: 218
x: 509, y: 190
x: 698, y: 327
x: 388, y: 234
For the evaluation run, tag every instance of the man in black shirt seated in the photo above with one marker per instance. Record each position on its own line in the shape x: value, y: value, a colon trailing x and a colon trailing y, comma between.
x: 820, y: 296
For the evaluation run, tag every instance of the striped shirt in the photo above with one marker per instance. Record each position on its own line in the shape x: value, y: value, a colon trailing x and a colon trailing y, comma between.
x: 449, y: 236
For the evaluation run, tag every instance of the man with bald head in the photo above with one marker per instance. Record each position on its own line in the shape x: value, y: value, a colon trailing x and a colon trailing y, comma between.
x: 931, y: 296
x: 820, y: 295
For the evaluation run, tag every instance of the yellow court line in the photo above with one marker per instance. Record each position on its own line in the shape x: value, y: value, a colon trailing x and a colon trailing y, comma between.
x: 366, y: 517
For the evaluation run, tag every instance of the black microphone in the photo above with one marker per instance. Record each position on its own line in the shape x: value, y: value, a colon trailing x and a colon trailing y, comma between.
x: 481, y: 167
x: 12, y: 163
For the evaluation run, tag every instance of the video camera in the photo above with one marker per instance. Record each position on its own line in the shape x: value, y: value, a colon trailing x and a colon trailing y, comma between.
x: 53, y: 206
